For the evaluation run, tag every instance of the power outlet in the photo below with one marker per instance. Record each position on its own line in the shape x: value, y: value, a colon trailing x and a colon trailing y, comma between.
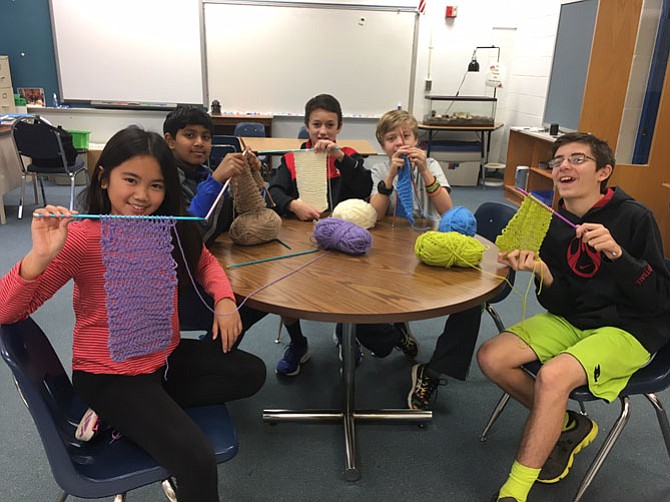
x: 428, y: 85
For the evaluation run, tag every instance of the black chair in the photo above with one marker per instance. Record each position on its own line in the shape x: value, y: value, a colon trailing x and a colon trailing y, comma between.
x: 101, y: 468
x: 249, y: 129
x: 51, y: 152
x: 647, y: 381
x: 491, y: 218
x: 221, y: 146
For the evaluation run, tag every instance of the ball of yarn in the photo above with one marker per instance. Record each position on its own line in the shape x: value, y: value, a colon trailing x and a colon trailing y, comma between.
x: 447, y: 249
x: 356, y: 211
x: 458, y: 219
x: 341, y: 235
x: 255, y: 227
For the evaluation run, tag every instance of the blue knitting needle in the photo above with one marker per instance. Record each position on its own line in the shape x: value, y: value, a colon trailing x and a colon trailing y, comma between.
x: 272, y: 258
x: 282, y: 152
x: 124, y: 217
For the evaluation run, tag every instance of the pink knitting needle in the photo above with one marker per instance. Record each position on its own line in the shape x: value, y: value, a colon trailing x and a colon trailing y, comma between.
x: 546, y: 207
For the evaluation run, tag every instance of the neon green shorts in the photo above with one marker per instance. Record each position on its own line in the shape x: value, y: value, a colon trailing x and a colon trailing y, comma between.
x: 608, y: 355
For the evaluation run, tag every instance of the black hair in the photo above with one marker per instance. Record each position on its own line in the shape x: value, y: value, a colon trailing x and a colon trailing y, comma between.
x: 185, y: 115
x: 600, y: 149
x: 136, y: 142
x: 325, y: 102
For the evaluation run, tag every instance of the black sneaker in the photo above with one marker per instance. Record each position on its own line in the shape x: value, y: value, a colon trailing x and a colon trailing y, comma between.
x: 424, y: 388
x: 407, y: 343
x: 504, y: 499
x: 569, y: 444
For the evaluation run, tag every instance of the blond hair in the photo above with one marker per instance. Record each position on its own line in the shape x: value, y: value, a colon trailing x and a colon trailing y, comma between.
x: 394, y: 119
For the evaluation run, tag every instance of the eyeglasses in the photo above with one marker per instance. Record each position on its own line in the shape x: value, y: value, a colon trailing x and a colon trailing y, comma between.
x: 575, y: 159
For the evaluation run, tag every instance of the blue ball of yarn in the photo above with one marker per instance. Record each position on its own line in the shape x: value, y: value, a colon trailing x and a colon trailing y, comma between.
x: 334, y: 233
x: 458, y: 219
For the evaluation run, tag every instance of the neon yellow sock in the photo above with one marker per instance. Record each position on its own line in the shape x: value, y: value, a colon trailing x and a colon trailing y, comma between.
x: 519, y: 483
x: 567, y: 423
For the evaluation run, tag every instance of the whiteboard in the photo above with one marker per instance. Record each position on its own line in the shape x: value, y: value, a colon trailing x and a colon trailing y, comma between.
x: 128, y: 50
x: 271, y: 59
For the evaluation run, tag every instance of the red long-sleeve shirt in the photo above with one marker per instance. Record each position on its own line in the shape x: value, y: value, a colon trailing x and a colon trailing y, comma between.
x: 81, y: 260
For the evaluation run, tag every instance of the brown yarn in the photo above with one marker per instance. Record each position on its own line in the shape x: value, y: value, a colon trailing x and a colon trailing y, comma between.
x: 255, y: 223
x: 255, y: 227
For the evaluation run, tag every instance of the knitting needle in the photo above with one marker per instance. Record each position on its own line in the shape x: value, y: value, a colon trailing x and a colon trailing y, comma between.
x: 253, y: 262
x: 125, y: 217
x: 218, y: 198
x: 283, y: 243
x: 282, y: 152
x: 547, y: 207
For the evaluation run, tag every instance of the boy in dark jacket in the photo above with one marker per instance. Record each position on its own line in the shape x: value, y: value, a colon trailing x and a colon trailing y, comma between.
x: 188, y: 131
x: 607, y: 292
x: 347, y: 179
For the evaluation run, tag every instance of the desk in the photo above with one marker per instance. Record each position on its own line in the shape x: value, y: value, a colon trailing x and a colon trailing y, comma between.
x: 10, y: 169
x: 363, y: 147
x: 225, y: 124
x: 388, y: 284
x: 482, y: 132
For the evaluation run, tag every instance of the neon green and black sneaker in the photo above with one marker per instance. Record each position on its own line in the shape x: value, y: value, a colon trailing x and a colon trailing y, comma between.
x: 570, y: 442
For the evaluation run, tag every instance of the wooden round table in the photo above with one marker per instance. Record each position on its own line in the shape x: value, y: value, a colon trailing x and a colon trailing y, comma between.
x: 388, y: 284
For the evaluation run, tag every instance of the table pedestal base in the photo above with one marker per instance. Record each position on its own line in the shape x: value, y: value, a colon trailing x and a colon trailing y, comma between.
x: 348, y: 414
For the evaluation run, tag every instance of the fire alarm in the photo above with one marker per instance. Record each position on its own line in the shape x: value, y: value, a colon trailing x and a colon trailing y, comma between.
x: 452, y: 11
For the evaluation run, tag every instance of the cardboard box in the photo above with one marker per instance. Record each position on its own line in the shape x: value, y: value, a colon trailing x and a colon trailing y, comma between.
x: 461, y: 173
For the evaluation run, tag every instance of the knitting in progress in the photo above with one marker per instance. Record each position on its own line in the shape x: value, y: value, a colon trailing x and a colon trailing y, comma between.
x: 310, y: 174
x: 255, y: 223
x: 405, y: 202
x: 140, y: 280
x: 527, y: 228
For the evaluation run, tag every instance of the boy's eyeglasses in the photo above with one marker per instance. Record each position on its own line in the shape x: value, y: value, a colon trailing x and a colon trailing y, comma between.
x: 575, y: 159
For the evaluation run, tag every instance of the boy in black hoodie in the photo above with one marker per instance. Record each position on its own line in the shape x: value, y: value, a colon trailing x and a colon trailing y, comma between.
x: 607, y: 292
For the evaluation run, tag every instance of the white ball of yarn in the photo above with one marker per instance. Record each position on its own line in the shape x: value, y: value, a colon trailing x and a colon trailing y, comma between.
x: 356, y: 211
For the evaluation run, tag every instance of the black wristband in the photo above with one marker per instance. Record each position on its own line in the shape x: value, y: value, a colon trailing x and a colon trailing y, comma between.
x: 381, y: 188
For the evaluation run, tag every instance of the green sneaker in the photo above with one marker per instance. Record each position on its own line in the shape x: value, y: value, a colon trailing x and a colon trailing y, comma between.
x: 569, y: 444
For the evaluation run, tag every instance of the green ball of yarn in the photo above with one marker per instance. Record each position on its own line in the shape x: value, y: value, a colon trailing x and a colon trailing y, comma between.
x: 448, y: 249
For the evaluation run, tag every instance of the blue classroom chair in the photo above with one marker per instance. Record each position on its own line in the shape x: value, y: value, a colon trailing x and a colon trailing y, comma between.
x: 96, y: 469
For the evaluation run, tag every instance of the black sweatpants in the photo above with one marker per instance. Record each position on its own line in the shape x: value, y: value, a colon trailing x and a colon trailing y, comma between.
x: 456, y: 345
x: 148, y: 409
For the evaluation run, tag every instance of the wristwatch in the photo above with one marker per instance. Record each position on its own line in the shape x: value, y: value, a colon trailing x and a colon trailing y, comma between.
x: 381, y: 188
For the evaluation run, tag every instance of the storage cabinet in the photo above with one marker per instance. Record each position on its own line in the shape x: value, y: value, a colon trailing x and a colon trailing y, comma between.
x: 531, y: 149
x: 6, y: 90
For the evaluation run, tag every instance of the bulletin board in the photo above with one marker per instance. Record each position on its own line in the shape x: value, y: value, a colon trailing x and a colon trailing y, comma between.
x: 271, y: 58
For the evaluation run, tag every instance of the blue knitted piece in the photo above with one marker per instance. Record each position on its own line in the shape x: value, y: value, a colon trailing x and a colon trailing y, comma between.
x: 458, y: 219
x: 140, y: 280
x: 405, y: 202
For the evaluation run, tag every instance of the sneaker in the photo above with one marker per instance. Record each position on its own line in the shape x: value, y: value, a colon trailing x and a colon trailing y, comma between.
x: 407, y: 343
x: 424, y: 388
x: 89, y: 426
x: 358, y: 351
x: 569, y: 444
x: 504, y: 499
x: 294, y: 356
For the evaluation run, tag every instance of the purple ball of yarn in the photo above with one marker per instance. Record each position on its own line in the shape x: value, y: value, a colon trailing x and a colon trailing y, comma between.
x: 458, y: 219
x: 341, y: 235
